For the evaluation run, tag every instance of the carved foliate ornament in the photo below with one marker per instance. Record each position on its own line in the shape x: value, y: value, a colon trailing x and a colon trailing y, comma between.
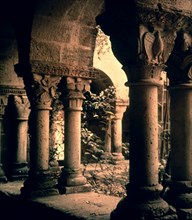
x: 144, y: 52
x: 180, y: 62
x: 72, y: 90
x: 147, y: 38
x: 77, y: 84
x: 22, y: 107
x: 3, y: 104
x: 41, y: 90
x: 154, y: 47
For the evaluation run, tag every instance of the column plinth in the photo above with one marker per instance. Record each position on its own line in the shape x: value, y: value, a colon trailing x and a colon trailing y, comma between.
x: 72, y: 179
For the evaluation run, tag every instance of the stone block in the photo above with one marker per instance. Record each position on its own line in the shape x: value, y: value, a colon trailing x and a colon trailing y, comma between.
x: 45, y: 51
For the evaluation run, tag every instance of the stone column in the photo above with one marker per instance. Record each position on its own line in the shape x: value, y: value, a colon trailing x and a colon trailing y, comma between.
x: 120, y: 108
x: 180, y: 76
x: 142, y: 44
x: 143, y: 199
x: 40, y: 89
x: 3, y: 104
x: 71, y: 179
x: 20, y: 166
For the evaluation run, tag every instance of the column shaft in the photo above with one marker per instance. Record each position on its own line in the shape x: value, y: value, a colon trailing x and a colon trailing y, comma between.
x: 117, y: 135
x: 108, y: 137
x: 21, y: 149
x: 40, y: 148
x: 120, y: 107
x: 3, y: 104
x: 72, y: 139
x: 179, y: 193
x: 181, y: 141
x: 3, y: 178
x: 143, y: 135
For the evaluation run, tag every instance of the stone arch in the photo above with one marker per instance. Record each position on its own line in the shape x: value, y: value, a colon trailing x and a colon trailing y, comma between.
x: 107, y: 63
x: 101, y: 83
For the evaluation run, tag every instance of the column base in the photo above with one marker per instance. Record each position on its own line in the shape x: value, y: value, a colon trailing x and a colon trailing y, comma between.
x: 40, y: 184
x: 19, y: 172
x: 75, y: 189
x: 3, y: 178
x: 72, y: 181
x: 118, y: 157
x: 184, y: 213
x: 143, y: 203
x: 179, y: 195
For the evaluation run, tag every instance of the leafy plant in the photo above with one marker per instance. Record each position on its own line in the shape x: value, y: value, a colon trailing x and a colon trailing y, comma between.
x: 102, y: 43
x: 99, y: 106
x: 91, y: 145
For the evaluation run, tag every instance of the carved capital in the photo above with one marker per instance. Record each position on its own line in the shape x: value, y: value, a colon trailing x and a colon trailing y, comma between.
x: 180, y: 62
x: 72, y: 90
x: 22, y: 107
x: 144, y: 50
x: 41, y: 89
x: 164, y: 16
x: 144, y: 74
x: 120, y: 108
x: 73, y: 101
x: 3, y: 104
x: 143, y: 33
x: 153, y: 45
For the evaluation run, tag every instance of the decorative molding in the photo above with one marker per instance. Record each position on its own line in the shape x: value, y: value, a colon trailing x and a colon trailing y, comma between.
x: 164, y: 18
x: 54, y: 69
x: 6, y: 90
x: 59, y: 69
